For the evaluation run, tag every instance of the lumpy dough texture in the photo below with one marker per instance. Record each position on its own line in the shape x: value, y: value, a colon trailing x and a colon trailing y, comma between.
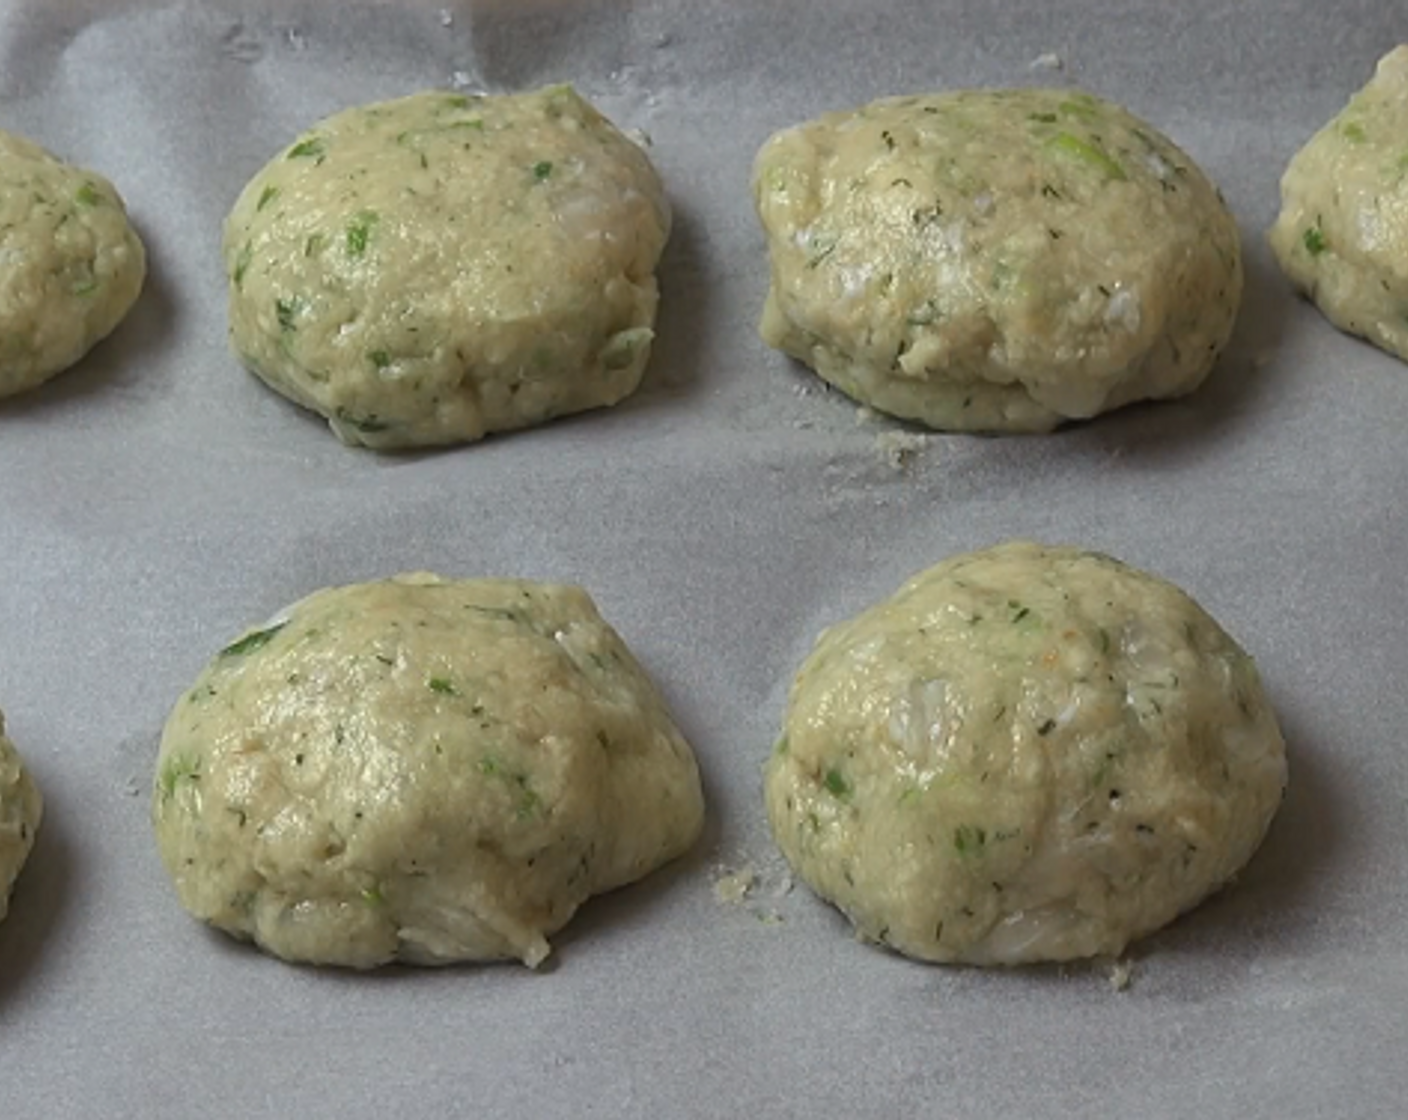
x: 1342, y: 234
x: 71, y: 265
x: 21, y: 809
x: 1027, y: 754
x: 420, y: 770
x: 428, y: 270
x: 995, y: 260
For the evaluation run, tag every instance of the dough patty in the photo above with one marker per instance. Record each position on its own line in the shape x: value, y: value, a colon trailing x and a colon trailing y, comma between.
x: 431, y: 269
x: 21, y: 809
x: 421, y: 770
x: 1026, y: 754
x: 995, y: 260
x: 1342, y: 234
x: 71, y: 265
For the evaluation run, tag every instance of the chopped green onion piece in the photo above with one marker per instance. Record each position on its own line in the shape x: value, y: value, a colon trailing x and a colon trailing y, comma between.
x: 252, y: 641
x: 1088, y: 152
x: 307, y: 149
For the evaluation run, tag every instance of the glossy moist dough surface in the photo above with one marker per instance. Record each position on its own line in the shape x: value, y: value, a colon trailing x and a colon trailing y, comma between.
x: 1027, y: 754
x: 70, y: 264
x: 1342, y: 234
x: 419, y: 770
x: 431, y: 269
x: 995, y: 260
x: 20, y: 811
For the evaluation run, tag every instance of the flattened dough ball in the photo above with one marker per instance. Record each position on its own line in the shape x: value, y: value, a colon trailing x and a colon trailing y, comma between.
x: 71, y: 266
x: 1342, y: 234
x: 421, y: 770
x: 1026, y: 754
x: 1000, y: 260
x: 428, y: 270
x: 21, y: 809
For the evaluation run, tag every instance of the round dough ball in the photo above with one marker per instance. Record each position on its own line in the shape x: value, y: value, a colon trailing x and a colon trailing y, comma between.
x: 428, y: 270
x: 1027, y: 754
x: 21, y: 809
x: 995, y: 260
x: 1342, y: 234
x: 421, y: 770
x: 71, y: 265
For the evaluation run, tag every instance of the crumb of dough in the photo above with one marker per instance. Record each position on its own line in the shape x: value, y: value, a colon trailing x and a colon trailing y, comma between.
x: 733, y: 885
x: 1049, y: 60
x: 899, y: 448
x: 1121, y: 973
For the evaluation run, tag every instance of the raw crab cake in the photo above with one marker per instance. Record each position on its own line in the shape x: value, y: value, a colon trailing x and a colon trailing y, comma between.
x: 421, y: 770
x: 995, y: 260
x: 431, y: 269
x: 1026, y: 754
x: 71, y: 265
x: 1342, y: 234
x: 21, y: 809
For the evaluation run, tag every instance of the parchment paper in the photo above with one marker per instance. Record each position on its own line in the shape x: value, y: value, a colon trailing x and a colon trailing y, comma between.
x: 156, y: 499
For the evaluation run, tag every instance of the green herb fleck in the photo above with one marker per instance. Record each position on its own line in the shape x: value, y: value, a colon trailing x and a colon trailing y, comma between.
x: 836, y: 784
x: 359, y: 232
x: 968, y: 839
x: 379, y: 358
x: 542, y: 169
x: 87, y: 195
x: 252, y: 641
x: 178, y: 768
x: 246, y: 254
x: 287, y: 310
x: 528, y: 801
x: 85, y: 287
x: 781, y: 746
x: 1353, y: 131
x: 489, y: 765
x: 307, y: 149
x: 621, y: 349
x: 1314, y: 240
x: 314, y: 244
x: 443, y: 686
x: 265, y: 197
x: 1088, y: 152
x: 1047, y: 727
x: 370, y: 423
x: 372, y: 896
x: 508, y: 614
x: 819, y: 247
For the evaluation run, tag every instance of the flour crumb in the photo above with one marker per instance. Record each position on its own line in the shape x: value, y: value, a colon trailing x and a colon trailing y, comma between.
x: 899, y: 448
x: 864, y: 415
x: 734, y: 884
x: 1048, y: 60
x: 295, y: 38
x: 461, y: 79
x: 447, y: 17
x: 1121, y: 973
